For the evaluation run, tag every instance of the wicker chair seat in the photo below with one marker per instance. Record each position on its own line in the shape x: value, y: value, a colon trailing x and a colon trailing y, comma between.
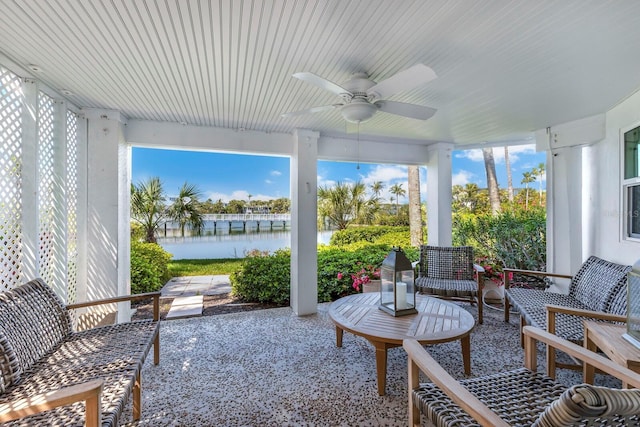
x: 525, y: 398
x: 517, y: 396
x: 447, y: 287
x: 523, y: 299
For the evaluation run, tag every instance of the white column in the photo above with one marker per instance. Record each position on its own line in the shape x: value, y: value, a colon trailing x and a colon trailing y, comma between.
x: 564, y: 210
x: 107, y: 232
x: 29, y: 175
x: 304, y: 227
x: 439, y: 194
x: 83, y: 209
x: 60, y: 259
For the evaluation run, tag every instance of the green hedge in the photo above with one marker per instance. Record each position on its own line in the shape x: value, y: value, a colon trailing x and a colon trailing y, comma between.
x: 266, y: 278
x: 149, y: 270
x: 515, y: 239
x: 263, y: 278
x: 362, y: 234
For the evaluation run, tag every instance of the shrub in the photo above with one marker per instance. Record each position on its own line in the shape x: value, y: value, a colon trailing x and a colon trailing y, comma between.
x: 358, y: 234
x: 263, y: 277
x: 398, y: 238
x: 149, y: 270
x: 515, y: 239
x: 137, y: 232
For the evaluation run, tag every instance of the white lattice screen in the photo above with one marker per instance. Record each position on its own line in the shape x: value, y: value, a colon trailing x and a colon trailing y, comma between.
x: 72, y: 205
x: 45, y: 147
x: 46, y: 188
x: 11, y: 107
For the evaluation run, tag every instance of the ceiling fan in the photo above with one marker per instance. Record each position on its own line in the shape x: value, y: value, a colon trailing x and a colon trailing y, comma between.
x: 362, y: 97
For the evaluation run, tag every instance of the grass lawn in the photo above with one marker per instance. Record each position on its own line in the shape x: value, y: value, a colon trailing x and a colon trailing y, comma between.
x: 203, y: 267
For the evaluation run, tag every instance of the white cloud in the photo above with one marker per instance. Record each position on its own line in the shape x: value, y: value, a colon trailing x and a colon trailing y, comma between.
x: 275, y: 173
x: 385, y: 174
x: 463, y: 177
x: 322, y: 182
x: 268, y: 181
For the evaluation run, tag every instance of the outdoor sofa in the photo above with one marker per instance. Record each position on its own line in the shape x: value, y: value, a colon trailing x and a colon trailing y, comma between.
x: 597, y: 291
x: 51, y: 375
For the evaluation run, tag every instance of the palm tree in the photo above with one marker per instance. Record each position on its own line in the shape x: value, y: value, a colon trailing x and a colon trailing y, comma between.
x: 527, y: 178
x: 507, y: 165
x: 185, y: 209
x: 147, y: 206
x: 397, y: 190
x: 343, y: 203
x: 415, y: 213
x: 466, y: 198
x: 539, y: 171
x: 492, y: 180
x: 377, y: 188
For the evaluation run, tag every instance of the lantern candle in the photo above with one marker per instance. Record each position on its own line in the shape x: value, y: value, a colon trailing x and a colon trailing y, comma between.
x: 401, y: 295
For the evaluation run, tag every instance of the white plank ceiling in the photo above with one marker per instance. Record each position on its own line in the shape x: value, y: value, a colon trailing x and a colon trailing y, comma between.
x: 505, y: 68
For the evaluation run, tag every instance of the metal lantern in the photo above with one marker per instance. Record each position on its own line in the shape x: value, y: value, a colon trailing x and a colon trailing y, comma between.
x: 397, y: 289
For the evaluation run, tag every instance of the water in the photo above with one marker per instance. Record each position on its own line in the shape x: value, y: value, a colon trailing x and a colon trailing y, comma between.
x: 234, y: 245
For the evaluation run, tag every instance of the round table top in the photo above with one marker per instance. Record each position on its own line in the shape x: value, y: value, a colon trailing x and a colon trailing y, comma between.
x: 436, y: 321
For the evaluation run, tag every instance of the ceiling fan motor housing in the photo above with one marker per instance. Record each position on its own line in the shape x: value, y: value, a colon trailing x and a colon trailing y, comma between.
x: 358, y: 108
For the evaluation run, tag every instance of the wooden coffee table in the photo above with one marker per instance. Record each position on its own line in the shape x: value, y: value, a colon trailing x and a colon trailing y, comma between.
x: 437, y: 321
x: 608, y: 338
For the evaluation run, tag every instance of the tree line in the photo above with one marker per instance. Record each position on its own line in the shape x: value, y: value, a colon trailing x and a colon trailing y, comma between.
x: 150, y: 207
x: 339, y: 205
x: 350, y: 203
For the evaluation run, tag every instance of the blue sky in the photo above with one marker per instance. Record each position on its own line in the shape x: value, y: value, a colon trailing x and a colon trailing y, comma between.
x: 233, y: 176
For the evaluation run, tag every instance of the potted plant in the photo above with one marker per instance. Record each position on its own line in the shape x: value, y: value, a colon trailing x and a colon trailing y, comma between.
x: 366, y: 279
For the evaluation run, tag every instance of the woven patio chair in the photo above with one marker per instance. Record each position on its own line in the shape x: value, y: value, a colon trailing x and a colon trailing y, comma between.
x: 520, y: 397
x: 449, y: 273
x: 597, y: 291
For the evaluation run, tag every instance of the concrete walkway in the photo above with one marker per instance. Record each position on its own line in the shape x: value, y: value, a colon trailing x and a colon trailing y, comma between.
x: 188, y: 292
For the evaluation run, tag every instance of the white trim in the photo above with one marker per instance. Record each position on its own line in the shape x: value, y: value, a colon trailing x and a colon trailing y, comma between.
x: 624, y: 185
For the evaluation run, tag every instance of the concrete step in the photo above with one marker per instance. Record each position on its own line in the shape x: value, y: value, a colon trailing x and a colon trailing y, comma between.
x: 186, y: 307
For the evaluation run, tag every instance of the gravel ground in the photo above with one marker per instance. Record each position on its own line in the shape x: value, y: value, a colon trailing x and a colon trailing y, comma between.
x: 212, y: 305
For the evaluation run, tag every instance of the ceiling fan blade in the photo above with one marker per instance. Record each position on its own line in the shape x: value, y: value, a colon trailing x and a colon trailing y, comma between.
x: 322, y: 83
x: 407, y: 110
x: 404, y: 80
x: 312, y: 110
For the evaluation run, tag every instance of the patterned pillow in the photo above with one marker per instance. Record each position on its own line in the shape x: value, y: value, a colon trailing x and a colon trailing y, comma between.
x: 9, y: 368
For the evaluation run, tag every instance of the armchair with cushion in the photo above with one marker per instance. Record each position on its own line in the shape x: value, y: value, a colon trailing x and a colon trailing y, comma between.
x: 524, y: 396
x: 597, y: 291
x: 449, y: 273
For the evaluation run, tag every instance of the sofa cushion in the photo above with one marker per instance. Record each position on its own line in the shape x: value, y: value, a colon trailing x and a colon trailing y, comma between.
x: 33, y: 321
x: 449, y: 288
x: 598, y: 283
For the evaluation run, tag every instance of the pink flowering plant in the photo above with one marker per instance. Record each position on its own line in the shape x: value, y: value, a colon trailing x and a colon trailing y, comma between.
x: 492, y: 271
x: 364, y: 275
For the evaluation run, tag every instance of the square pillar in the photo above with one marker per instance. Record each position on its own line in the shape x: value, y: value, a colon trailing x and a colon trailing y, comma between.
x: 304, y: 223
x: 108, y: 226
x: 439, y: 194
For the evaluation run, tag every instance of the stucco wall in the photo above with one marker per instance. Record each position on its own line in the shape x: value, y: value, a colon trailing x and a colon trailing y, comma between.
x: 608, y: 212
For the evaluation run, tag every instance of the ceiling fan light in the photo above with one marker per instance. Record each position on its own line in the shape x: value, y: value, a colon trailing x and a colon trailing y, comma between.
x: 358, y: 112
